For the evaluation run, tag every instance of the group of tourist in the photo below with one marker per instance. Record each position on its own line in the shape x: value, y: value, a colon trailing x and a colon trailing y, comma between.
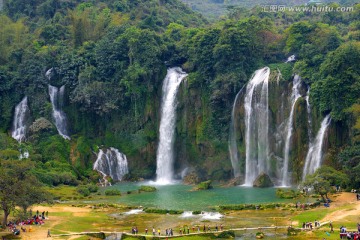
x: 182, y: 230
x: 309, y: 225
x: 37, y: 219
x: 344, y: 234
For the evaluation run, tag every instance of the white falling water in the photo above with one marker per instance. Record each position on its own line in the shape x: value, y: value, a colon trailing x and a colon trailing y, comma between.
x: 57, y: 100
x: 165, y: 155
x: 292, y: 58
x: 308, y: 108
x: 257, y: 125
x: 24, y: 154
x: 111, y: 163
x: 233, y: 151
x: 49, y: 73
x: 19, y: 123
x: 295, y: 95
x: 314, y: 156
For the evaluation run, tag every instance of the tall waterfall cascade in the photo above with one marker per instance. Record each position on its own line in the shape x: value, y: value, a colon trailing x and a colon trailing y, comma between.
x: 165, y: 152
x: 233, y: 151
x: 19, y: 128
x: 271, y: 120
x: 57, y: 101
x: 295, y: 95
x: 257, y: 125
x: 314, y: 156
x: 111, y: 163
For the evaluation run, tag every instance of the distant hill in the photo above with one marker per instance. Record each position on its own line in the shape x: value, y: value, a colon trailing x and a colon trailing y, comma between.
x: 214, y: 9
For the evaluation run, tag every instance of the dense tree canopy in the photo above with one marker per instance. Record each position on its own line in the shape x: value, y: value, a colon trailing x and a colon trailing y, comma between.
x: 112, y: 55
x: 18, y: 187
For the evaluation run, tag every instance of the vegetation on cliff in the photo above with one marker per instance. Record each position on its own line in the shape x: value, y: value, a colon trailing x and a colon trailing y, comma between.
x: 111, y: 55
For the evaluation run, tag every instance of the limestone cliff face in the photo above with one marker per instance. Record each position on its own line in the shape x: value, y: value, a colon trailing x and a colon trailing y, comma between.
x: 198, y: 149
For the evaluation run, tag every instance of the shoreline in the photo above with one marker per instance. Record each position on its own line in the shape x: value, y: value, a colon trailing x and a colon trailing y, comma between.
x: 65, y: 219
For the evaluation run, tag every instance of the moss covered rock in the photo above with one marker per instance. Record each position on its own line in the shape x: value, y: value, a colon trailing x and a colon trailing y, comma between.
x: 191, y: 178
x: 203, y: 186
x: 144, y: 188
x: 263, y: 181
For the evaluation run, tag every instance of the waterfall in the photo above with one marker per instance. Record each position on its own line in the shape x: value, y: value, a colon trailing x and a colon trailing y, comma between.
x: 314, y: 155
x: 165, y: 155
x: 57, y: 101
x: 49, y: 73
x: 19, y: 123
x: 308, y: 108
x: 257, y: 125
x: 112, y: 163
x: 233, y: 151
x: 292, y: 58
x: 295, y: 95
x: 24, y: 154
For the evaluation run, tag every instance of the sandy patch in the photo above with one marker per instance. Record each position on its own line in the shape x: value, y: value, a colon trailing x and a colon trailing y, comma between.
x: 340, y: 200
x: 40, y: 232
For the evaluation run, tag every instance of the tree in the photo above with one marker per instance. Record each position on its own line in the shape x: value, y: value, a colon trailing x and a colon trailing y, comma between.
x: 18, y: 187
x: 338, y: 87
x: 323, y: 180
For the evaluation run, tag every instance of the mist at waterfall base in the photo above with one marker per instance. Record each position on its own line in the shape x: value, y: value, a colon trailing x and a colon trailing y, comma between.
x: 180, y: 197
x: 165, y: 151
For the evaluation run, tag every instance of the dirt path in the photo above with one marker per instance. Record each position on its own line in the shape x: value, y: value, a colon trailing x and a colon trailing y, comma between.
x: 341, y: 200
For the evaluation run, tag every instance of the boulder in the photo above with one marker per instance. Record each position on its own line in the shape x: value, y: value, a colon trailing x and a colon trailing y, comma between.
x: 203, y: 186
x: 191, y: 178
x: 263, y: 181
x: 234, y: 182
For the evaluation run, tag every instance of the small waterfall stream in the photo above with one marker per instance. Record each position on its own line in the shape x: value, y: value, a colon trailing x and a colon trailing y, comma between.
x: 111, y: 163
x: 165, y: 155
x: 295, y: 95
x: 257, y: 125
x: 57, y: 101
x: 233, y: 151
x: 308, y: 108
x: 314, y: 156
x: 19, y: 123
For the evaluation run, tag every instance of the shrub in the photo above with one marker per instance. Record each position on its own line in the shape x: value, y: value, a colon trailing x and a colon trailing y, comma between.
x: 112, y: 192
x: 251, y: 206
x: 287, y: 194
x: 176, y: 211
x: 204, y: 185
x: 92, y: 188
x: 226, y: 234
x: 144, y: 188
x: 83, y: 190
x: 162, y: 211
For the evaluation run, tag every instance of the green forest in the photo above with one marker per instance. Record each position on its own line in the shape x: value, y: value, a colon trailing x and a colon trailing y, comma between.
x: 112, y: 56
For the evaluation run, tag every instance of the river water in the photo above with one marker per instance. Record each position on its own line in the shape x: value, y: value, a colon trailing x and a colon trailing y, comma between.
x: 181, y: 197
